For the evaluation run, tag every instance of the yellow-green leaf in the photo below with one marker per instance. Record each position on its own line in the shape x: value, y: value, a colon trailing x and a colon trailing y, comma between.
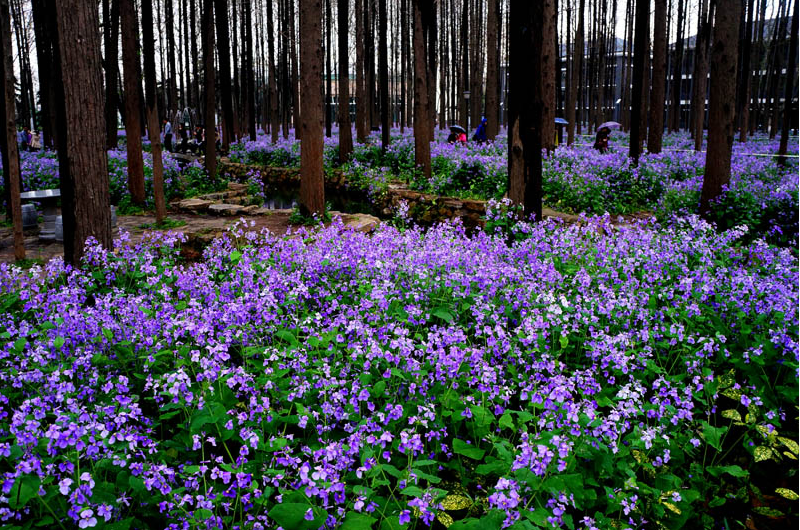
x: 789, y: 455
x: 732, y: 393
x: 790, y: 444
x: 769, y: 512
x: 671, y: 507
x: 726, y: 380
x: 762, y: 453
x: 732, y: 414
x: 787, y: 493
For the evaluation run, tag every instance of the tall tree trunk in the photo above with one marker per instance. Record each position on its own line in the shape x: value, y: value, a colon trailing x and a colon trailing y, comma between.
x: 361, y: 96
x: 83, y: 164
x: 221, y: 14
x: 744, y: 88
x: 297, y: 100
x: 529, y: 45
x: 133, y: 95
x: 577, y: 65
x: 465, y: 73
x: 111, y: 36
x: 700, y: 75
x: 273, y: 85
x: 209, y: 78
x: 328, y: 67
x: 10, y: 153
x: 640, y: 51
x: 422, y: 112
x: 345, y: 130
x: 548, y: 76
x: 383, y: 75
x: 788, y: 115
x: 657, y: 91
x: 677, y: 70
x: 151, y: 98
x: 45, y: 35
x: 312, y: 183
x: 492, y: 69
x: 776, y: 76
x: 171, y: 51
x: 722, y: 103
x: 250, y: 75
x: 195, y: 84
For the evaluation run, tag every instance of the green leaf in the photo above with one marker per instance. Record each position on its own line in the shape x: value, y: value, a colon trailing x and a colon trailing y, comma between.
x: 357, y: 521
x: 563, y: 341
x: 136, y: 483
x: 460, y: 447
x: 413, y: 491
x: 734, y: 471
x: 287, y: 337
x: 506, y: 421
x: 787, y: 494
x: 58, y: 343
x: 24, y: 489
x: 108, y: 334
x: 291, y: 516
x: 443, y: 313
x: 713, y: 435
x: 391, y: 523
x: 769, y: 512
x: 120, y: 525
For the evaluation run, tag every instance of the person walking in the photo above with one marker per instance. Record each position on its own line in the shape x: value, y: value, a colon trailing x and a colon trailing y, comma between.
x: 480, y: 132
x: 167, y: 135
x: 24, y: 139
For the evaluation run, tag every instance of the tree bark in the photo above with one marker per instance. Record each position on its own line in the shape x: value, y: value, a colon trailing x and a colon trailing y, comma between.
x: 577, y: 65
x: 208, y: 70
x: 45, y: 34
x: 10, y: 153
x: 722, y: 104
x: 83, y: 164
x: 788, y: 115
x: 640, y: 50
x: 422, y: 111
x: 700, y: 75
x: 361, y: 96
x: 744, y: 88
x: 151, y: 98
x: 657, y: 91
x: 328, y: 68
x: 221, y: 14
x: 345, y: 130
x: 133, y: 95
x: 492, y: 69
x: 383, y: 75
x: 312, y: 182
x: 273, y: 85
x: 677, y: 71
x: 527, y: 92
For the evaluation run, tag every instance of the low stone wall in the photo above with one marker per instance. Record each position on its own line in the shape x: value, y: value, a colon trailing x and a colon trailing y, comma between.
x: 424, y: 208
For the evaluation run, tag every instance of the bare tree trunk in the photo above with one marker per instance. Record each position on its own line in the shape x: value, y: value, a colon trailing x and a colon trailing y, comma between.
x: 577, y: 65
x: 273, y: 85
x: 296, y: 99
x: 133, y: 95
x: 10, y: 153
x: 677, y: 70
x: 722, y: 103
x: 744, y: 88
x: 657, y: 93
x: 640, y: 50
x: 45, y: 36
x: 169, y: 21
x: 548, y: 72
x: 208, y: 72
x: 83, y: 164
x: 700, y: 75
x: 361, y: 96
x: 776, y: 76
x: 383, y: 75
x: 422, y: 119
x: 328, y: 80
x: 788, y: 115
x: 151, y: 97
x: 312, y: 183
x: 221, y: 14
x: 529, y: 45
x: 111, y: 35
x: 345, y: 130
x: 492, y: 70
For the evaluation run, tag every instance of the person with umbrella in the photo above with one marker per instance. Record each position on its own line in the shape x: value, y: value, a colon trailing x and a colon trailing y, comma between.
x: 457, y: 134
x: 603, y: 132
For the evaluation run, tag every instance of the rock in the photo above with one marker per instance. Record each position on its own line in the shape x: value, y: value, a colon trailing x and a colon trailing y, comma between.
x: 225, y: 209
x: 361, y: 222
x: 236, y: 186
x: 454, y: 204
x: 250, y: 210
x: 194, y: 205
x: 475, y: 206
x: 212, y: 196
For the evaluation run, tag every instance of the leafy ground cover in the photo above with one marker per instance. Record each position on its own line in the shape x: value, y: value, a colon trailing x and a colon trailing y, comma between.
x: 761, y: 195
x: 556, y: 376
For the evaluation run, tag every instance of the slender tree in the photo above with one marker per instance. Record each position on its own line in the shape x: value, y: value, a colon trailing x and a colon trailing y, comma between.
x: 657, y: 90
x: 548, y: 74
x: 312, y: 182
x: 82, y: 158
x: 788, y: 115
x: 527, y: 93
x: 221, y: 14
x: 700, y: 74
x: 151, y: 97
x: 133, y: 95
x: 273, y: 75
x: 8, y: 145
x: 383, y: 75
x: 744, y: 88
x: 423, y: 12
x: 345, y: 131
x: 577, y: 65
x: 640, y: 50
x: 492, y: 69
x: 208, y: 70
x: 111, y: 63
x: 361, y: 88
x: 677, y: 69
x: 722, y: 103
x: 328, y: 77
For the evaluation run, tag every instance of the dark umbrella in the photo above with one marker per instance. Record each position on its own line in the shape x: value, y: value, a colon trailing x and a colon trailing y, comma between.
x: 458, y: 128
x: 609, y: 125
x: 562, y: 121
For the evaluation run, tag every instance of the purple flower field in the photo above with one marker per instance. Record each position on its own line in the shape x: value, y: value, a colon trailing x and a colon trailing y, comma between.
x: 580, y: 377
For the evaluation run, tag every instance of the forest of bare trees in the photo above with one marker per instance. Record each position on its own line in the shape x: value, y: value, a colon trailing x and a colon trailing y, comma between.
x: 243, y: 66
